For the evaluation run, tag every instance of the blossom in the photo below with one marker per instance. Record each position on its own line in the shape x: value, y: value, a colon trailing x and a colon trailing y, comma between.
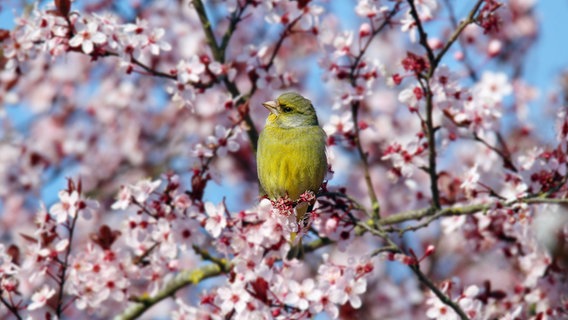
x: 124, y: 199
x: 408, y: 24
x: 342, y: 124
x: 156, y: 43
x: 253, y: 56
x: 367, y: 8
x: 39, y: 298
x: 233, y: 297
x: 343, y: 43
x: 142, y: 189
x: 189, y: 71
x: 68, y: 206
x: 87, y: 36
x: 426, y: 8
x: 301, y: 295
x: 202, y: 151
x: 7, y: 266
x: 216, y: 220
x: 183, y: 95
x: 186, y: 312
x: 471, y: 179
x: 405, y: 159
x: 349, y: 289
x: 440, y: 311
x: 223, y: 141
x: 84, y: 96
x: 411, y: 96
x: 493, y: 87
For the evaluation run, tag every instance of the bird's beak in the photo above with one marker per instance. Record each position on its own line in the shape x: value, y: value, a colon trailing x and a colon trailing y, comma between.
x: 272, y: 106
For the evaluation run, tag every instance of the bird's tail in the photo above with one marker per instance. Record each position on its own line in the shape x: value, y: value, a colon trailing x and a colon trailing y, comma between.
x: 297, y: 250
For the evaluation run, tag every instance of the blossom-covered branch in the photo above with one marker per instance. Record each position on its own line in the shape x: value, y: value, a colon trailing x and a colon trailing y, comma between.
x: 182, y: 280
x: 354, y: 73
x: 433, y: 61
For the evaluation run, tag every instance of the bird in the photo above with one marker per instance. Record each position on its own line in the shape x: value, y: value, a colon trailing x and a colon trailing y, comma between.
x: 291, y: 154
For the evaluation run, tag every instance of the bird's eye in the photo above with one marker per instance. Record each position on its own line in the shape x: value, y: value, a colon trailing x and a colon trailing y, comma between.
x: 286, y: 109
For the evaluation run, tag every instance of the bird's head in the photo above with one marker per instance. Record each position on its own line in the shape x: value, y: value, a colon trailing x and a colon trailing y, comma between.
x: 291, y: 110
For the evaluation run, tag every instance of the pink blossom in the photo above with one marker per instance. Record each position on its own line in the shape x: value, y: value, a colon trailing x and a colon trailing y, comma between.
x: 143, y: 189
x: 426, y: 8
x: 301, y: 295
x: 173, y: 90
x: 187, y: 312
x: 470, y: 181
x: 124, y: 199
x: 493, y: 87
x: 156, y: 43
x: 7, y: 267
x: 39, y: 298
x: 223, y: 141
x: 87, y: 36
x: 232, y: 298
x: 183, y: 95
x: 189, y: 71
x: 367, y: 8
x: 409, y: 25
x: 216, y: 221
x: 349, y: 289
x: 67, y: 207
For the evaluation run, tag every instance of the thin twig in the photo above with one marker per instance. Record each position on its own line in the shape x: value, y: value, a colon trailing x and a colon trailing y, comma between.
x: 504, y: 155
x: 422, y: 34
x: 64, y: 266
x: 468, y: 20
x: 467, y: 62
x: 445, y: 299
x: 434, y: 61
x: 375, y: 205
x: 384, y: 249
x: 219, y: 55
x: 393, y: 247
x: 10, y: 307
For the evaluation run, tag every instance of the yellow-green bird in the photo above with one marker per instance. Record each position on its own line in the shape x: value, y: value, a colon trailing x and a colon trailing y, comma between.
x: 291, y: 155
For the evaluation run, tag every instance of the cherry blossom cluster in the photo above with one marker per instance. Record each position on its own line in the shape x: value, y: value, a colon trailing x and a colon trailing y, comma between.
x: 38, y: 268
x: 95, y: 35
x: 259, y: 282
x: 161, y: 228
x: 113, y: 265
x: 535, y: 268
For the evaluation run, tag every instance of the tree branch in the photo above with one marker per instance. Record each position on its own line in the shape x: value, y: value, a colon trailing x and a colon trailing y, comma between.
x: 423, y: 35
x: 504, y: 155
x: 393, y: 247
x: 10, y: 307
x: 445, y: 299
x: 183, y: 279
x: 219, y: 55
x: 434, y: 61
x: 470, y: 19
x: 221, y: 266
x: 375, y: 205
x: 64, y: 266
x: 467, y: 62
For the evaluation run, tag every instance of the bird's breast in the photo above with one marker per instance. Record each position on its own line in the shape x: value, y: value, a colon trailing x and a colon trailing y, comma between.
x: 291, y: 161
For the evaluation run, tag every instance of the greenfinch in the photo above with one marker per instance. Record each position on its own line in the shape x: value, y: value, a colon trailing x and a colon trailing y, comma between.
x: 291, y: 154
